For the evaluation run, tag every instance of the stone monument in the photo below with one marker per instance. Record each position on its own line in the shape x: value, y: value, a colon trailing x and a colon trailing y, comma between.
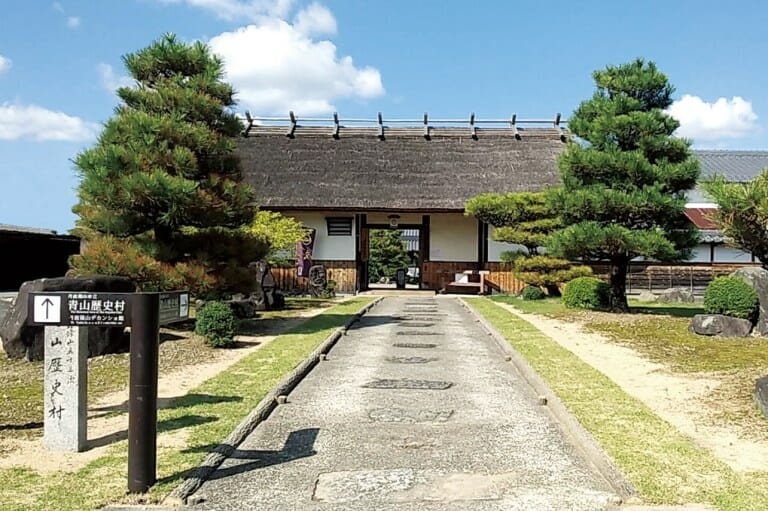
x: 64, y: 388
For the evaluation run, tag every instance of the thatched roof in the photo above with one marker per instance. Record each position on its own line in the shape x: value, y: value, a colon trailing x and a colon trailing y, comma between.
x: 403, y: 170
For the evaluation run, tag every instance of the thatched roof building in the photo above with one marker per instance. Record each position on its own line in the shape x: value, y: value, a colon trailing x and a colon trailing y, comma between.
x: 427, y: 169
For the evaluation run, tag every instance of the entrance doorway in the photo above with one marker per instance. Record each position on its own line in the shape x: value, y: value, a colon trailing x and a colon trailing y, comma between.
x: 384, y: 249
x: 393, y: 259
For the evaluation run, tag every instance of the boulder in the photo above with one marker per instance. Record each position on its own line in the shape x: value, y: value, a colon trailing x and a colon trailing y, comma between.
x: 758, y: 279
x: 243, y: 309
x: 645, y: 296
x: 675, y: 295
x: 5, y: 307
x: 720, y: 325
x: 761, y: 394
x: 265, y: 296
x: 20, y: 340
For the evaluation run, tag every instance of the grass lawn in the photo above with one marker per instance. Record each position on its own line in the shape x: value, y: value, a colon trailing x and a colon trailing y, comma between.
x: 201, y: 419
x: 665, y: 466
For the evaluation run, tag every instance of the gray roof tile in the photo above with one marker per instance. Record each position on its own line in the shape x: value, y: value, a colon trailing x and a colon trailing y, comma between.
x: 735, y: 166
x: 25, y: 230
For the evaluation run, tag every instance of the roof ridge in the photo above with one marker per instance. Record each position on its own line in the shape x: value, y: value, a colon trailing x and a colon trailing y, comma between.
x: 731, y: 152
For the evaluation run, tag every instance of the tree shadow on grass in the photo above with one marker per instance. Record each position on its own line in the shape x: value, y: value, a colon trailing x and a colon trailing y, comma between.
x: 162, y: 426
x: 169, y: 402
x: 668, y: 310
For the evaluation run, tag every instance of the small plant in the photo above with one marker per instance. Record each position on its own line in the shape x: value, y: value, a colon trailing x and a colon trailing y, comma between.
x: 330, y: 289
x: 731, y: 296
x: 586, y: 293
x: 532, y: 293
x: 217, y: 324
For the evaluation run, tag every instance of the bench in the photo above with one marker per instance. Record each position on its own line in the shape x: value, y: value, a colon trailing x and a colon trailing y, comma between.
x: 468, y: 281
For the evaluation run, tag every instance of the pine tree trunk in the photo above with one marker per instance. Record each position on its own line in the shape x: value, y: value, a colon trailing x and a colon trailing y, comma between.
x: 618, y: 298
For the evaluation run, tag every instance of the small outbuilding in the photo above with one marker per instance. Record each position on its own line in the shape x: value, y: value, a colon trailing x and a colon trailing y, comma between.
x: 28, y: 253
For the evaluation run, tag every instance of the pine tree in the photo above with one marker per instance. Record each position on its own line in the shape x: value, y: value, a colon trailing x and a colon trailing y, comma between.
x: 388, y: 253
x: 742, y: 213
x: 527, y: 219
x: 625, y: 177
x: 522, y: 218
x: 163, y: 178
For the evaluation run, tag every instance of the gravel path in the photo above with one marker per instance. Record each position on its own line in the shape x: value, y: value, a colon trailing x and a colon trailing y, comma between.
x: 414, y: 409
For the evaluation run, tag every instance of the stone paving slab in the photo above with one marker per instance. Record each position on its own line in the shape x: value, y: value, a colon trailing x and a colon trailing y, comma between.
x: 482, y: 443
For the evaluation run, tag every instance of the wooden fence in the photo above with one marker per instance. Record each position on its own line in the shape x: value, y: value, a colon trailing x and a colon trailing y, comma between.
x: 656, y: 277
x: 343, y: 272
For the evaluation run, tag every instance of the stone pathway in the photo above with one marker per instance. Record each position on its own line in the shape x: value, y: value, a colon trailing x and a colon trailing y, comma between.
x: 414, y: 409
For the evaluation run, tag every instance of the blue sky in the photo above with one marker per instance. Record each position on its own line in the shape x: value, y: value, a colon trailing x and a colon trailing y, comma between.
x: 61, y: 61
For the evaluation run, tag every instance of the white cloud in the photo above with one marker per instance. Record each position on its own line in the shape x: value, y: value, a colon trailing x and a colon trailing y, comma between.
x: 239, y: 10
x: 110, y: 81
x: 5, y: 64
x: 32, y: 122
x: 315, y: 19
x: 73, y: 21
x: 725, y: 118
x: 276, y: 68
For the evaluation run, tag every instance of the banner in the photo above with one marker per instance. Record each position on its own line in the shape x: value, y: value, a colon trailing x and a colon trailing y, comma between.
x: 304, y: 254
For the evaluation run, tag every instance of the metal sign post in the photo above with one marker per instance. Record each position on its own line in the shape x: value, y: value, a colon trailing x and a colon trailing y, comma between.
x: 144, y: 313
x: 142, y: 392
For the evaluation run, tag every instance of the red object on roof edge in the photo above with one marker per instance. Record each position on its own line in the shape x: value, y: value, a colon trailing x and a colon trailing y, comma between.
x: 701, y: 217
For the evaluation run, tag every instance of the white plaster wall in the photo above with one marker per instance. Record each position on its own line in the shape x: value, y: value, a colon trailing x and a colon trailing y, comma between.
x: 335, y: 248
x: 383, y: 218
x: 452, y: 237
x: 701, y: 254
x: 725, y: 254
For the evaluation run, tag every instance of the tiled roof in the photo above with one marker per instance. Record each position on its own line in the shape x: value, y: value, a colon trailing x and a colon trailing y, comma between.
x: 25, y: 230
x: 735, y: 166
x: 700, y: 217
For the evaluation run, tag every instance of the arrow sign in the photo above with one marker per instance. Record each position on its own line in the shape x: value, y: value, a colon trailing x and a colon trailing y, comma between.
x: 47, y: 302
x: 47, y: 309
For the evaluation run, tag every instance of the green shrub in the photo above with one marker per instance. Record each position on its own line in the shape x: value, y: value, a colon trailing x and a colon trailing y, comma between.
x: 511, y: 256
x: 532, y: 293
x: 217, y: 324
x: 731, y: 296
x: 586, y: 293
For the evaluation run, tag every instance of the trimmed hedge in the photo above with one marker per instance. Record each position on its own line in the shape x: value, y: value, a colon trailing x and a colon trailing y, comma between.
x: 586, y: 293
x: 216, y: 322
x: 532, y: 293
x: 731, y: 296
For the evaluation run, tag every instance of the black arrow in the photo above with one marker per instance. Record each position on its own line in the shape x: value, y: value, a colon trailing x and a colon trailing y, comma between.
x: 48, y: 303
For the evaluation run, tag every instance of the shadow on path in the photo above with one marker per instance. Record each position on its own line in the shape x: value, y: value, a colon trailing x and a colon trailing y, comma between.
x: 300, y: 444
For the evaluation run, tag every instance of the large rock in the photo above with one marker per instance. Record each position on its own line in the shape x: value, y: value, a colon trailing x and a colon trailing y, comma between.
x: 645, y: 296
x: 5, y: 307
x: 266, y: 296
x: 719, y: 325
x: 675, y: 295
x: 20, y: 340
x: 758, y: 279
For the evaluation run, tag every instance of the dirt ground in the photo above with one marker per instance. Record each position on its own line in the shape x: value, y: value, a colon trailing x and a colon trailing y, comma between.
x: 108, y: 417
x: 689, y: 402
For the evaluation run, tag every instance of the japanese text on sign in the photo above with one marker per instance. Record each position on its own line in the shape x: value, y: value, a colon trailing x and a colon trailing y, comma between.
x: 94, y: 309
